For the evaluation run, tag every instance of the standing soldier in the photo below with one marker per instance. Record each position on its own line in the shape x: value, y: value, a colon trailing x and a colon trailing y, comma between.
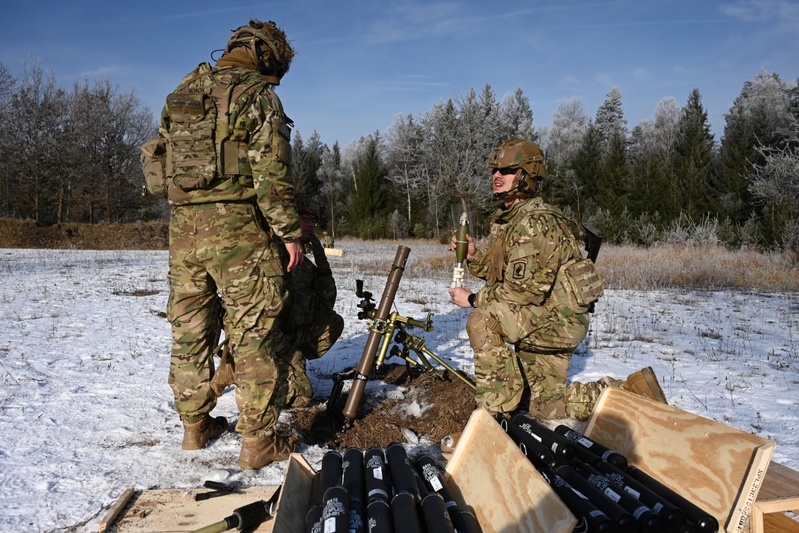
x: 533, y: 311
x: 232, y: 203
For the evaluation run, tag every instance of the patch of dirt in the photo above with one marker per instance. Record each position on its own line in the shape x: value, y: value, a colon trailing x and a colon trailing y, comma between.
x: 429, y: 407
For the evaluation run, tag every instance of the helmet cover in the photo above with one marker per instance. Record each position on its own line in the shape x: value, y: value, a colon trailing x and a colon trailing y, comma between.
x: 526, y: 158
x: 269, y: 44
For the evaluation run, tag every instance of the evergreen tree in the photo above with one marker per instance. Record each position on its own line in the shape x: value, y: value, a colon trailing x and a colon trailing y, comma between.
x: 560, y: 142
x: 370, y: 202
x: 692, y: 160
x: 610, y: 119
x: 516, y: 117
x: 613, y: 190
x: 588, y: 172
x: 755, y: 119
x: 651, y: 157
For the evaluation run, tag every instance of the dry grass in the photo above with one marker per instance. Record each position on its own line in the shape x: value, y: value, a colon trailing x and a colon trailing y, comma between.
x: 664, y: 266
x: 697, y: 267
x: 627, y: 267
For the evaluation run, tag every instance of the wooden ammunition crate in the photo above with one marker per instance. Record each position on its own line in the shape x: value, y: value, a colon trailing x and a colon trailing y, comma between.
x: 717, y: 467
x: 486, y: 473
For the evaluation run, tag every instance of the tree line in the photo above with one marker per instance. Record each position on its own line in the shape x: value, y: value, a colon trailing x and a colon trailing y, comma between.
x: 72, y: 156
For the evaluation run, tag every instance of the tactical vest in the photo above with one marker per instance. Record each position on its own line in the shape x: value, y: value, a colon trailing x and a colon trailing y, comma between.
x: 199, y: 150
x: 577, y: 283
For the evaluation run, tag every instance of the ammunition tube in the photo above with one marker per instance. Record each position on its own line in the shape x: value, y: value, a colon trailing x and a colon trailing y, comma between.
x: 405, y: 514
x: 671, y: 514
x: 357, y: 516
x: 401, y: 472
x: 590, y: 517
x: 352, y: 473
x: 693, y: 513
x: 353, y: 480
x: 581, y: 442
x: 647, y: 520
x: 436, y: 517
x: 313, y: 519
x: 336, y: 513
x: 379, y: 519
x: 375, y: 475
x: 330, y: 471
x: 462, y: 520
x: 532, y: 448
x: 562, y: 448
x: 625, y: 522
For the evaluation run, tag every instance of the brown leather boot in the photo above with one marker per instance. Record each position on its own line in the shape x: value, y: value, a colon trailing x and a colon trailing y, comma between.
x: 197, y: 434
x: 645, y: 383
x: 257, y: 452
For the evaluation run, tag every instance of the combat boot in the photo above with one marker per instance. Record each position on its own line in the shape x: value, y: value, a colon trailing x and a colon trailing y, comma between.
x: 197, y: 434
x: 645, y: 383
x: 257, y: 452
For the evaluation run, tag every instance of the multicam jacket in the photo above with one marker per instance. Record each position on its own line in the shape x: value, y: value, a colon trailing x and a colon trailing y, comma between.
x: 258, y: 122
x: 531, y: 285
x: 528, y: 246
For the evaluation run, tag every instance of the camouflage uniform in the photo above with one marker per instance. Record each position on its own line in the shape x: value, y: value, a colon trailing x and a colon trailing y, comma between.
x: 527, y: 303
x: 225, y: 237
x: 309, y: 322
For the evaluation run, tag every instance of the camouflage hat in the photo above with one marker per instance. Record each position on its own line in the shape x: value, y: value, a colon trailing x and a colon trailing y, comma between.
x: 269, y: 44
x: 526, y: 158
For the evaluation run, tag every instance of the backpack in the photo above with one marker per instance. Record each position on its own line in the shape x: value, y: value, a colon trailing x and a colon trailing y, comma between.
x: 196, y: 152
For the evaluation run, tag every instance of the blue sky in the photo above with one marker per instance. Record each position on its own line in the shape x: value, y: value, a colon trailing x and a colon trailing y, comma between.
x: 360, y: 63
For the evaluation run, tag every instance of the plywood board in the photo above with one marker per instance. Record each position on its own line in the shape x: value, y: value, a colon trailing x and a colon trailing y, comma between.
x: 488, y: 473
x: 718, y: 467
x: 176, y: 511
x: 295, y: 496
x: 334, y: 252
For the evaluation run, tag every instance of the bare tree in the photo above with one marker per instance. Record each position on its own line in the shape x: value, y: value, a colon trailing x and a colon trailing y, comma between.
x: 34, y: 116
x: 405, y: 159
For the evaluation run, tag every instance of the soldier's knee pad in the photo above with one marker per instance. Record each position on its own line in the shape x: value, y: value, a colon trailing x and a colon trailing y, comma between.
x: 483, y: 330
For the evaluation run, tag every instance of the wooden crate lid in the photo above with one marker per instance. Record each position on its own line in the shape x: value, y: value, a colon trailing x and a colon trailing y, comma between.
x: 718, y: 467
x: 489, y: 473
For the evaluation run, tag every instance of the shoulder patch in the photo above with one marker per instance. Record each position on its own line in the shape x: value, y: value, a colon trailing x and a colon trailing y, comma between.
x: 519, y: 269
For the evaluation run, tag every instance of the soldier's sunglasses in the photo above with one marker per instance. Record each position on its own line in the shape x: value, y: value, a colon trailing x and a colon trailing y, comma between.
x: 504, y: 171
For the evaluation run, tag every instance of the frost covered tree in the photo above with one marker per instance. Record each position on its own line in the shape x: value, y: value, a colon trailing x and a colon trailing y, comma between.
x: 776, y: 187
x: 651, y: 150
x: 759, y: 113
x: 405, y: 160
x: 516, y: 116
x: 610, y: 121
x: 334, y: 186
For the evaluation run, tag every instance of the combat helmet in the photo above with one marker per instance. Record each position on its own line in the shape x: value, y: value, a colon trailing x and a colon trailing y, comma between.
x: 527, y: 159
x: 307, y: 205
x: 270, y: 46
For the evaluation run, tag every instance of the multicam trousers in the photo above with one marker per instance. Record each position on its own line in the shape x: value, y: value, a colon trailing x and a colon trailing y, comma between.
x: 221, y: 247
x: 502, y: 373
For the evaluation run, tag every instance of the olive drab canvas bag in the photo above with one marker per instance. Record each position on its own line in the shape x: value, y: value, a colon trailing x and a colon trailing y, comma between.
x: 197, y: 152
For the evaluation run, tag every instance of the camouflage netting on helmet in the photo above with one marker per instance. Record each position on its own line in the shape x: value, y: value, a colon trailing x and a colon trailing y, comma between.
x: 268, y: 43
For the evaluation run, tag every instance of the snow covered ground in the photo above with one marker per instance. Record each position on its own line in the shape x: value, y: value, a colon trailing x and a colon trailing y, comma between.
x: 85, y: 411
